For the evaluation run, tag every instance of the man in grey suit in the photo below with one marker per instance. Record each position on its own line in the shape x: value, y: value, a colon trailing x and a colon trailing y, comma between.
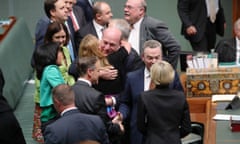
x: 147, y: 28
x: 73, y: 127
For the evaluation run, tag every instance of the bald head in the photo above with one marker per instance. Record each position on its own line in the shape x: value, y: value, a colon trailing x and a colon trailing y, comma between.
x: 111, y: 40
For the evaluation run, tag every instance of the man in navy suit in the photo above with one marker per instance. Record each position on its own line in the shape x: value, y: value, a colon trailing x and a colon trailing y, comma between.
x: 137, y: 82
x: 73, y: 127
x: 147, y: 28
x: 56, y: 11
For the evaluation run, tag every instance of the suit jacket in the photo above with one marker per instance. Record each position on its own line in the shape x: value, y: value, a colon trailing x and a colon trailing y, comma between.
x: 134, y: 86
x: 90, y: 101
x: 88, y: 29
x: 10, y: 130
x: 87, y: 8
x: 79, y: 14
x: 74, y: 127
x: 194, y: 12
x: 163, y: 116
x: 227, y: 50
x: 154, y: 29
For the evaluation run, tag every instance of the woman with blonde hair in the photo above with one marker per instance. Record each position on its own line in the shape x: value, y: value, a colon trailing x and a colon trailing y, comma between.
x: 163, y: 113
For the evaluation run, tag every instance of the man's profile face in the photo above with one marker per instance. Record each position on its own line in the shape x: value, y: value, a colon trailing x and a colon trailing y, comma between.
x: 60, y: 12
x: 151, y: 56
x: 133, y: 11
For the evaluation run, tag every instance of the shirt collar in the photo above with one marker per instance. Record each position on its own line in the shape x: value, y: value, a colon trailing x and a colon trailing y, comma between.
x: 85, y: 80
x: 137, y: 24
x: 97, y: 26
x: 146, y: 73
x: 68, y: 109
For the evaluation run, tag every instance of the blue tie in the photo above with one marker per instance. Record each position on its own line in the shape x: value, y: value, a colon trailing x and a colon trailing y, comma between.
x: 70, y: 45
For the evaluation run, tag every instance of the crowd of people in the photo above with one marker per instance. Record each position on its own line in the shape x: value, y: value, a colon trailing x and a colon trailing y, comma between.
x: 105, y: 80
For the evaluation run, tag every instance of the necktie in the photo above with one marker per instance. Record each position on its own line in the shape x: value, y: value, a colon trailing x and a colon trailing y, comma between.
x: 212, y: 10
x: 70, y: 45
x: 74, y: 21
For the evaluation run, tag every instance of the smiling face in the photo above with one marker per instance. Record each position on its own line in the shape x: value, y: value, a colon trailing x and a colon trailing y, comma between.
x: 133, y: 11
x: 151, y: 56
x: 60, y: 37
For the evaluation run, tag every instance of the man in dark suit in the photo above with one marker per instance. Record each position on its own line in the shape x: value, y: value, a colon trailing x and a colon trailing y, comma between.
x: 147, y: 28
x: 90, y: 101
x: 73, y: 127
x: 101, y: 15
x: 86, y: 5
x: 137, y: 82
x: 10, y: 130
x: 200, y: 23
x: 229, y: 49
x: 76, y: 14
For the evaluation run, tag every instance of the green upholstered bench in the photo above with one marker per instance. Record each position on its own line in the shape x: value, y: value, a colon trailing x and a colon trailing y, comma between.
x: 15, y: 54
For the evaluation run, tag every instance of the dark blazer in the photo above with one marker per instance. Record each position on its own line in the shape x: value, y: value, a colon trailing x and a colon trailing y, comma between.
x: 74, y: 127
x: 90, y: 101
x: 40, y: 31
x: 194, y: 12
x: 10, y: 130
x: 163, y: 116
x: 128, y: 104
x: 79, y: 14
x: 227, y: 50
x: 154, y: 29
x: 88, y: 29
x: 87, y: 8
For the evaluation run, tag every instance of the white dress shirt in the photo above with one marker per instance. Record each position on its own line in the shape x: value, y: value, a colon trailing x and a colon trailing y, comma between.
x: 134, y: 36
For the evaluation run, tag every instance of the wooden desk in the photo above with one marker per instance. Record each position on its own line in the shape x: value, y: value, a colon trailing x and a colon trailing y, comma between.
x: 219, y: 132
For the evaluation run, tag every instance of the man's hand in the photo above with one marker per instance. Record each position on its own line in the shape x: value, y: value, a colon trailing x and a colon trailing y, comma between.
x: 191, y: 30
x: 108, y: 73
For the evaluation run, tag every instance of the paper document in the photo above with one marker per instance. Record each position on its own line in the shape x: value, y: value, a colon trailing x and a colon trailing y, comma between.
x: 226, y: 117
x: 222, y: 97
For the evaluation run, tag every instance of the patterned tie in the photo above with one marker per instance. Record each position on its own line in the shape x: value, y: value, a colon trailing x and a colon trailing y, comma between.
x: 74, y: 21
x: 212, y: 10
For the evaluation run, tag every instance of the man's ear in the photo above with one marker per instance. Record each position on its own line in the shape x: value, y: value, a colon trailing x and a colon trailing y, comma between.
x: 52, y: 12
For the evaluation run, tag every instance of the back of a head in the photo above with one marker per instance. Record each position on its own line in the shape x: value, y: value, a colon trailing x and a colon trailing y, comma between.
x: 162, y: 73
x: 86, y: 63
x: 45, y: 55
x: 89, y: 46
x: 64, y: 94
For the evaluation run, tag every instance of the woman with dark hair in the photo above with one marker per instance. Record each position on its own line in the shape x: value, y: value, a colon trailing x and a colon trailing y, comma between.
x: 47, y: 59
x: 56, y: 32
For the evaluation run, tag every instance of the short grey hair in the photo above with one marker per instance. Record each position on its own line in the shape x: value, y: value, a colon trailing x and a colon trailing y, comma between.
x: 152, y: 44
x: 122, y: 25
